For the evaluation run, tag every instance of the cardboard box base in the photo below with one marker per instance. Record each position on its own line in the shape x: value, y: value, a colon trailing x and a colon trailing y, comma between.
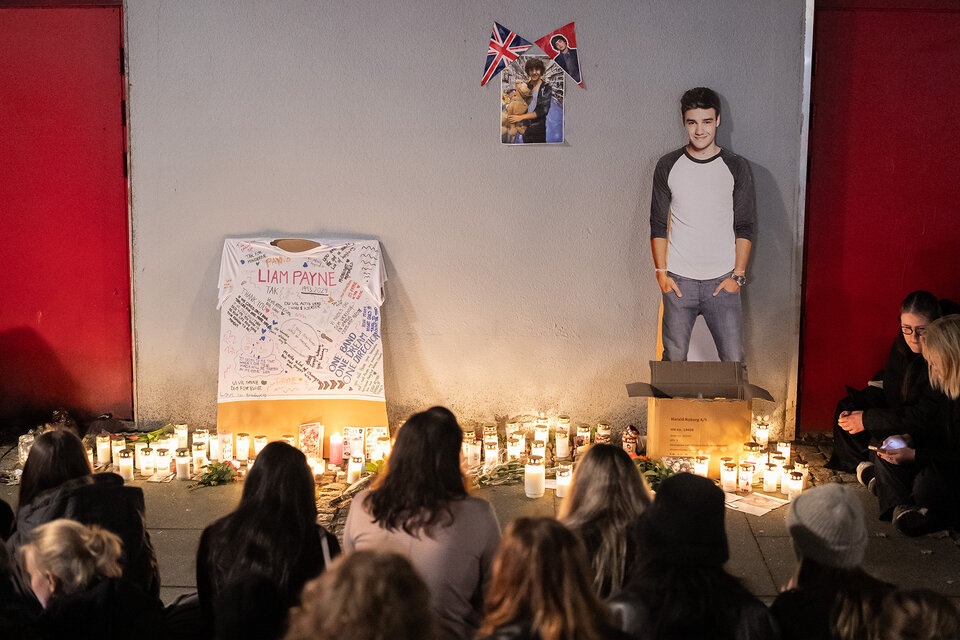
x: 275, y: 418
x: 690, y: 427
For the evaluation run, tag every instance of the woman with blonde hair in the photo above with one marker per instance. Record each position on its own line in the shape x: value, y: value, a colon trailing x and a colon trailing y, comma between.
x: 541, y: 587
x: 918, y: 474
x: 365, y: 596
x: 75, y: 573
x: 607, y: 495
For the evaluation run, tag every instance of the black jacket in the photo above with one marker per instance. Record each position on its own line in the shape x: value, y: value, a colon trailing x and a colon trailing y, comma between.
x: 904, y: 383
x: 101, y: 499
x: 521, y: 631
x: 111, y: 609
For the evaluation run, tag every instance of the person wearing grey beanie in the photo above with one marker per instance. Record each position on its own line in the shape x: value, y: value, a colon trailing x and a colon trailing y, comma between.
x: 830, y: 596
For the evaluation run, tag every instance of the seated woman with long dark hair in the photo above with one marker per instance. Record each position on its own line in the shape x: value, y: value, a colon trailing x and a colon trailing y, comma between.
x: 58, y: 482
x: 918, y: 472
x: 253, y: 562
x: 606, y: 497
x: 420, y: 508
x: 541, y: 587
x: 678, y: 587
x: 868, y: 416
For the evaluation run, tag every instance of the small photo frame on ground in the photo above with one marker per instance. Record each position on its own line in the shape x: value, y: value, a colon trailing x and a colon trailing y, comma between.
x: 533, y: 101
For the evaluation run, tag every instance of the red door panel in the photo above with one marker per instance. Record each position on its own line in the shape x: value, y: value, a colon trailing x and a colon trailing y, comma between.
x: 65, y: 319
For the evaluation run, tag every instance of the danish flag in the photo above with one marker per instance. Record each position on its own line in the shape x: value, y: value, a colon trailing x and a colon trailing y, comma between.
x: 505, y: 47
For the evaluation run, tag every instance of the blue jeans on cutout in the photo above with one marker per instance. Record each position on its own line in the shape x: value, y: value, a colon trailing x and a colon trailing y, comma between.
x: 722, y: 314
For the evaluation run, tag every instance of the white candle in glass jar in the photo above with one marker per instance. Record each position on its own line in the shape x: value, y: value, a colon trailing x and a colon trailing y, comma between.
x: 784, y: 449
x: 490, y: 434
x: 138, y: 448
x: 803, y: 468
x: 162, y: 461
x: 474, y: 453
x: 795, y: 484
x: 259, y: 442
x: 745, y: 477
x: 564, y: 477
x: 383, y: 448
x: 728, y: 477
x: 762, y: 435
x: 336, y: 449
x: 513, y: 448
x: 117, y: 444
x: 199, y: 456
x: 771, y: 474
x: 289, y: 439
x: 214, y: 448
x: 779, y: 460
x: 183, y: 464
x: 125, y: 458
x: 562, y: 449
x: 701, y: 465
x: 582, y: 441
x: 183, y: 436
x: 226, y: 445
x: 147, y: 461
x: 103, y: 449
x: 785, y: 472
x: 534, y: 477
x: 541, y: 432
x: 538, y: 448
x: 202, y: 435
x: 354, y: 469
x: 243, y: 446
x: 491, y: 455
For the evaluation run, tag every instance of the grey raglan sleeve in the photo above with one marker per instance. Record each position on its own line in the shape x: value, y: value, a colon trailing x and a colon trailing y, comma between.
x: 660, y: 200
x: 744, y: 199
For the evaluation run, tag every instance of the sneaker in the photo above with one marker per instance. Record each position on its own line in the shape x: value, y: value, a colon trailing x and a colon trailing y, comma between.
x: 911, y: 520
x: 865, y: 473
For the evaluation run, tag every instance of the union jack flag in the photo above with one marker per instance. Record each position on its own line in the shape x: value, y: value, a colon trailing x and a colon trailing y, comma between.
x: 505, y: 47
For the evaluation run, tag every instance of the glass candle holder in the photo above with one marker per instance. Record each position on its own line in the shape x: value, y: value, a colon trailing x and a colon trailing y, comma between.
x: 259, y: 442
x: 785, y: 472
x: 117, y: 444
x: 701, y: 465
x: 202, y: 435
x: 778, y: 460
x: 183, y: 464
x: 336, y: 449
x: 783, y: 448
x: 183, y: 435
x: 534, y: 477
x: 138, y: 448
x: 147, y: 461
x: 226, y: 445
x: 468, y: 437
x: 803, y: 468
x: 513, y: 448
x: 474, y: 451
x: 538, y: 448
x: 795, y: 484
x: 762, y: 435
x: 728, y: 477
x: 125, y: 464
x: 562, y: 448
x: 603, y: 434
x: 512, y: 428
x: 582, y: 439
x: 289, y: 439
x: 103, y: 449
x: 162, y: 461
x: 89, y: 451
x: 199, y: 456
x: 491, y: 455
x: 771, y: 475
x: 564, y: 478
x: 750, y: 452
x: 354, y: 469
x: 489, y: 434
x: 214, y: 448
x: 563, y: 422
x: 745, y: 477
x: 541, y: 432
x: 243, y: 446
x: 383, y: 447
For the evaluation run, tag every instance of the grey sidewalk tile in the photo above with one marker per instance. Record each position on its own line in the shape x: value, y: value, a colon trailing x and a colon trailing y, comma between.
x: 746, y: 558
x: 177, y: 554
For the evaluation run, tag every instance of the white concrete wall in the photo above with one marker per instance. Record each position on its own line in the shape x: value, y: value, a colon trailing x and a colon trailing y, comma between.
x: 520, y: 279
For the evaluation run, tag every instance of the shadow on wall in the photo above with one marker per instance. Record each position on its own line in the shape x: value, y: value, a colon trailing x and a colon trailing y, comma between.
x: 33, y: 381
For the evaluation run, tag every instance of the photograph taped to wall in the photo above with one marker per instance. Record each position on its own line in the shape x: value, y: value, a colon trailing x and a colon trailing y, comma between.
x: 531, y: 101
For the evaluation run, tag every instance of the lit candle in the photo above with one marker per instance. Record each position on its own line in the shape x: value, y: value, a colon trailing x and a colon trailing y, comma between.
x: 491, y: 455
x: 784, y: 449
x: 259, y: 442
x: 582, y: 440
x: 468, y: 437
x: 785, y: 472
x: 336, y: 449
x: 354, y: 469
x: 489, y: 434
x: 199, y: 456
x: 541, y: 432
x: 728, y: 477
x: 513, y: 448
x: 538, y: 448
x: 180, y: 430
x: 383, y: 447
x: 202, y: 435
x: 290, y: 440
x: 534, y: 477
x: 762, y: 435
x: 803, y: 468
x: 243, y: 446
x: 90, y: 456
x: 183, y: 464
x: 147, y: 464
x: 473, y: 453
x: 214, y: 449
x: 162, y: 462
x: 226, y: 445
x: 751, y: 452
x: 562, y: 449
x: 771, y: 474
x: 103, y: 449
x: 779, y: 460
x: 117, y: 444
x: 603, y: 434
x: 795, y: 486
x: 701, y: 466
x: 564, y: 476
x: 126, y: 464
x: 138, y: 448
x: 563, y: 422
x: 745, y: 479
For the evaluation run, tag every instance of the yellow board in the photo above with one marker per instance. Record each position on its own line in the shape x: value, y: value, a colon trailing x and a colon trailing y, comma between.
x: 690, y: 427
x: 275, y: 418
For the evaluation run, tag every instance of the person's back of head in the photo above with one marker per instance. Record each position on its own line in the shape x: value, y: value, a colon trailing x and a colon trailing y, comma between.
x: 365, y: 596
x: 921, y: 303
x: 941, y: 349
x: 919, y: 614
x: 423, y: 473
x: 56, y: 457
x: 64, y: 557
x: 606, y: 497
x: 540, y: 577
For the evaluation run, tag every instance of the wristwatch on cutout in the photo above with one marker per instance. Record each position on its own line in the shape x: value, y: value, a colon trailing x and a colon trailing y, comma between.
x: 740, y: 280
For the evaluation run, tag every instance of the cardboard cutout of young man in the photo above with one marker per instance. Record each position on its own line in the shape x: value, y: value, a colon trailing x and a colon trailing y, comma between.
x: 702, y: 218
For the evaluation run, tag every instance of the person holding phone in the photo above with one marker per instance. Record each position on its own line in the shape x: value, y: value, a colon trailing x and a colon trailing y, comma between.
x: 918, y: 473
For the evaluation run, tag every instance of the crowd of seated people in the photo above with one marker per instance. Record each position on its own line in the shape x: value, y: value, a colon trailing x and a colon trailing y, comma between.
x: 423, y: 559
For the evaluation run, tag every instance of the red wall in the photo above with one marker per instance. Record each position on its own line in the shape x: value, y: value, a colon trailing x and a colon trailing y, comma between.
x: 883, y: 200
x: 65, y: 318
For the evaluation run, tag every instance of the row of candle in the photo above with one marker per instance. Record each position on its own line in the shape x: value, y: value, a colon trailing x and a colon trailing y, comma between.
x: 775, y: 465
x: 489, y: 444
x: 535, y: 478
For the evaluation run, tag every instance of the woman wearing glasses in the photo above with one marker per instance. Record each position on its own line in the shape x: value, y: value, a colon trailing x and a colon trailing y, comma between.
x: 868, y: 416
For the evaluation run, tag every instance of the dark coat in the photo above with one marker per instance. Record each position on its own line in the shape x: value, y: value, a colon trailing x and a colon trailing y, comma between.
x: 111, y: 609
x: 101, y: 499
x: 521, y: 631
